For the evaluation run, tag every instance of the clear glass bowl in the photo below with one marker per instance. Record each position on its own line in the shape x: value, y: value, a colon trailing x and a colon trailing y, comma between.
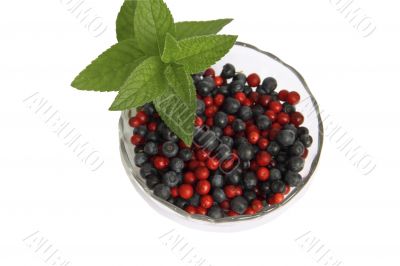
x: 247, y: 59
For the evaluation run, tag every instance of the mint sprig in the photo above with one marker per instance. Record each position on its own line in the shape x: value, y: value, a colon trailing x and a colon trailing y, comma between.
x: 153, y: 62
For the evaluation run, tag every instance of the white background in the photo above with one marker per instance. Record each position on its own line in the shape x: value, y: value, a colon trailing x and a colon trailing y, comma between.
x: 98, y: 218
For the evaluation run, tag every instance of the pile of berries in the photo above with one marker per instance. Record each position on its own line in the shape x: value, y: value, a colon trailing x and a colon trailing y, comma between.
x: 247, y: 152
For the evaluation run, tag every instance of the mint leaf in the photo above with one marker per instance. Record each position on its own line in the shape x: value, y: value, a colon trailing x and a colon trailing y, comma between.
x: 176, y: 115
x: 171, y: 49
x: 182, y: 85
x: 152, y: 22
x: 189, y: 29
x: 144, y: 85
x: 110, y: 70
x: 125, y: 19
x: 198, y: 53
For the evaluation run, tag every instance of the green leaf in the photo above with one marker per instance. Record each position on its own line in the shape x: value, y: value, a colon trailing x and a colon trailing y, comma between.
x: 144, y: 85
x: 176, y: 115
x: 189, y: 29
x: 198, y: 53
x: 171, y: 49
x: 125, y: 20
x: 110, y: 70
x: 182, y: 85
x: 152, y: 22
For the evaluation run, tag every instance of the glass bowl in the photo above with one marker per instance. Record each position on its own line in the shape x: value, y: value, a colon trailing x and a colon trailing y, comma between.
x: 247, y: 59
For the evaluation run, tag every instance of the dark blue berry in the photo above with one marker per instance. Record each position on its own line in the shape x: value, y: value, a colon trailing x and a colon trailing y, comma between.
x: 231, y: 105
x: 269, y: 85
x: 221, y: 119
x: 185, y: 154
x: 263, y: 122
x: 306, y: 139
x: 170, y: 149
x: 286, y: 137
x: 218, y: 195
x: 238, y: 125
x: 162, y: 191
x: 297, y: 149
x: 152, y: 181
x: 151, y: 148
x: 273, y: 148
x: 293, y: 179
x: 177, y: 164
x: 171, y: 179
x: 249, y: 180
x: 239, y: 205
x: 228, y: 71
x: 215, y: 212
x: 246, y: 152
x: 278, y: 186
x: 296, y: 164
x: 140, y: 159
x: 274, y: 174
x: 245, y: 113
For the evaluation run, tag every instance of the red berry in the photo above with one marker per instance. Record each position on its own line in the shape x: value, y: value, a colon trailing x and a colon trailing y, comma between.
x: 232, y: 213
x: 240, y: 96
x: 185, y: 191
x: 276, y: 126
x: 191, y: 209
x: 282, y: 95
x: 210, y: 121
x: 136, y: 139
x: 203, y: 187
x: 189, y: 178
x: 253, y: 80
x: 287, y: 190
x: 263, y: 143
x: 201, y: 155
x: 219, y: 99
x: 152, y: 126
x: 142, y: 116
x: 174, y: 192
x: 225, y: 205
x: 228, y: 131
x: 193, y: 164
x: 247, y: 102
x: 250, y: 211
x: 239, y: 191
x: 271, y: 115
x: 160, y: 162
x: 263, y: 158
x: 305, y: 154
x: 276, y: 198
x: 231, y: 118
x: 202, y: 173
x: 206, y: 201
x: 253, y: 137
x: 296, y: 119
x: 263, y: 174
x: 211, y: 110
x: 200, y: 210
x: 219, y: 81
x: 254, y: 96
x: 230, y: 191
x: 208, y: 101
x: 273, y: 133
x: 275, y: 106
x: 228, y: 164
x: 134, y: 122
x: 212, y: 164
x: 257, y: 205
x: 264, y: 100
x: 283, y: 118
x: 210, y: 72
x: 293, y: 98
x: 198, y: 122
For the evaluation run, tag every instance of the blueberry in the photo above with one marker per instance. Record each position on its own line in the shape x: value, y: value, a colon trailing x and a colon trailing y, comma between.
x: 215, y: 212
x: 247, y: 90
x: 217, y: 180
x: 302, y: 131
x: 197, y: 77
x: 269, y: 85
x: 233, y: 178
x: 147, y: 169
x: 249, y: 195
x: 246, y: 152
x: 221, y: 119
x: 205, y: 86
x: 258, y: 110
x: 297, y: 148
x: 239, y: 204
x: 296, y: 164
x: 139, y: 149
x: 185, y: 154
x: 218, y: 131
x: 228, y: 71
x: 245, y: 165
x: 241, y: 77
x: 180, y: 203
x: 162, y: 191
x: 149, y: 109
x: 273, y: 148
x: 177, y: 164
x: 152, y: 136
x: 218, y: 195
x: 201, y: 107
x: 306, y: 139
x: 274, y: 174
x: 236, y: 86
x: 249, y: 180
x: 241, y: 140
x: 195, y: 200
x: 274, y: 96
x: 265, y: 187
x: 260, y: 90
x: 245, y: 113
x: 170, y: 149
x: 286, y: 137
x: 281, y: 157
x: 231, y: 105
x: 140, y: 159
x: 171, y: 179
x: 152, y: 181
x: 278, y: 186
x: 227, y: 141
x: 288, y: 108
x: 223, y: 152
x: 238, y: 125
x: 291, y: 127
x: 293, y: 179
x: 141, y: 130
x: 263, y: 122
x: 151, y: 148
x: 223, y: 90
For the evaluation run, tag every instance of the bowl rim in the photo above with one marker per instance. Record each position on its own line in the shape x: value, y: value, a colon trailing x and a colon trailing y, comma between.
x: 140, y: 184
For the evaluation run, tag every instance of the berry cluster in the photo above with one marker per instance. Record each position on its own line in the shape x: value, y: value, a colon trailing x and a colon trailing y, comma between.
x: 248, y: 148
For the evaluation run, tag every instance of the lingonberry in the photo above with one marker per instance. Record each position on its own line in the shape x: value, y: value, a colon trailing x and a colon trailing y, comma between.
x: 275, y: 106
x: 282, y: 95
x: 206, y: 201
x: 257, y: 205
x: 203, y: 187
x: 253, y: 80
x: 191, y: 209
x: 185, y: 191
x: 263, y: 158
x: 189, y: 178
x: 134, y: 122
x: 263, y: 143
x: 210, y: 72
x: 200, y: 210
x: 212, y: 164
x: 219, y: 81
x: 263, y: 174
x: 160, y: 162
x: 293, y: 98
x: 253, y: 137
x: 136, y: 139
x: 202, y: 173
x: 219, y: 99
x: 296, y: 119
x: 283, y: 118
